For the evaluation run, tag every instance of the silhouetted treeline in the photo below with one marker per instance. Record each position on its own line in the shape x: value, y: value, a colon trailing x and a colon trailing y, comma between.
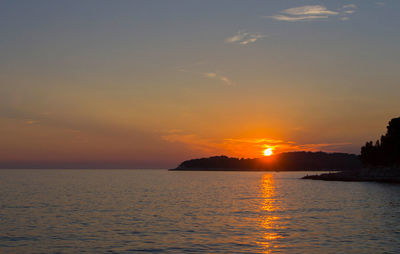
x: 295, y: 161
x: 386, y: 151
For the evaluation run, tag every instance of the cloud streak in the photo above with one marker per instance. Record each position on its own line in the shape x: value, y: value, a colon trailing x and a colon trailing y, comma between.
x: 313, y: 13
x: 246, y: 147
x: 349, y: 6
x: 297, y: 18
x: 309, y: 10
x: 218, y: 76
x: 244, y: 38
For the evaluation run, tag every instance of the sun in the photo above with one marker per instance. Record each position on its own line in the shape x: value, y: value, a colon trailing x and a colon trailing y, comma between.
x: 268, y: 152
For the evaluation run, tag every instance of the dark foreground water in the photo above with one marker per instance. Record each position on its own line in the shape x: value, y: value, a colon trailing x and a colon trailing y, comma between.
x: 134, y: 211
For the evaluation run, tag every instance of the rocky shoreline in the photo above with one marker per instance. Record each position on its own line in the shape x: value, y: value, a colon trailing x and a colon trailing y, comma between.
x: 388, y: 175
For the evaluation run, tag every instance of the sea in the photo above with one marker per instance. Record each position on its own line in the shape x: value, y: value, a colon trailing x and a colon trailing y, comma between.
x: 160, y: 211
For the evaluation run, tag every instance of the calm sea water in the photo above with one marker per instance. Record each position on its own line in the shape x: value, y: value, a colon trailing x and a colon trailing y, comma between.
x: 134, y: 211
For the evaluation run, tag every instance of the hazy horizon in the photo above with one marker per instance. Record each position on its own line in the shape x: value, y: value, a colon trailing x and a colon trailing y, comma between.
x: 106, y: 164
x: 152, y: 83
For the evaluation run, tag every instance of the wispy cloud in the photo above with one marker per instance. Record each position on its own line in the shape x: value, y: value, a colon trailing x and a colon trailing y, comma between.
x: 244, y: 38
x: 347, y: 9
x: 297, y: 18
x: 312, y: 13
x: 215, y: 75
x: 349, y: 6
x: 304, y: 13
x: 285, y: 146
x: 255, y: 140
x: 247, y: 147
x: 309, y: 10
x: 194, y: 142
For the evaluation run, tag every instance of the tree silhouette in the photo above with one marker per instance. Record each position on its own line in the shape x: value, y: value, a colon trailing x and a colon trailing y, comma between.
x: 283, y: 161
x: 385, y: 152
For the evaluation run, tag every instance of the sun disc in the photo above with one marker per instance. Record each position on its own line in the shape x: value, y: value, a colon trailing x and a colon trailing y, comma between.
x: 268, y: 152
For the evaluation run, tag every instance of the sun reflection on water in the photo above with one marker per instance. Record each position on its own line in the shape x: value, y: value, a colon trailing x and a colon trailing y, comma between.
x: 269, y: 218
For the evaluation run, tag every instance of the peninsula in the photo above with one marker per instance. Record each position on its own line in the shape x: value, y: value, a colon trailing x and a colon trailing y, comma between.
x: 290, y: 161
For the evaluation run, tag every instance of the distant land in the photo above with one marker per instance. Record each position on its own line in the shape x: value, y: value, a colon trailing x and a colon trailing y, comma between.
x: 290, y: 161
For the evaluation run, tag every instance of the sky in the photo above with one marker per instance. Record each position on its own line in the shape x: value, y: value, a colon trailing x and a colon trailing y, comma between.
x: 147, y: 84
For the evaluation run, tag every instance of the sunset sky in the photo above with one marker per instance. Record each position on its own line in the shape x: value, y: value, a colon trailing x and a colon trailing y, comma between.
x: 147, y: 84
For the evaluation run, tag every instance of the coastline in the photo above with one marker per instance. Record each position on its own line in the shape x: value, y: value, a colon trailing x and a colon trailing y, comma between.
x: 249, y: 170
x: 223, y: 169
x: 386, y: 175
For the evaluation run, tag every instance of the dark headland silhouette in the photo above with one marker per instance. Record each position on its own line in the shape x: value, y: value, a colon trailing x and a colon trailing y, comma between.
x: 381, y: 161
x: 290, y: 161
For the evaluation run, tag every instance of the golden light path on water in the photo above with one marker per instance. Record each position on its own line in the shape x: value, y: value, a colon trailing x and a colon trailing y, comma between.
x: 268, y: 221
